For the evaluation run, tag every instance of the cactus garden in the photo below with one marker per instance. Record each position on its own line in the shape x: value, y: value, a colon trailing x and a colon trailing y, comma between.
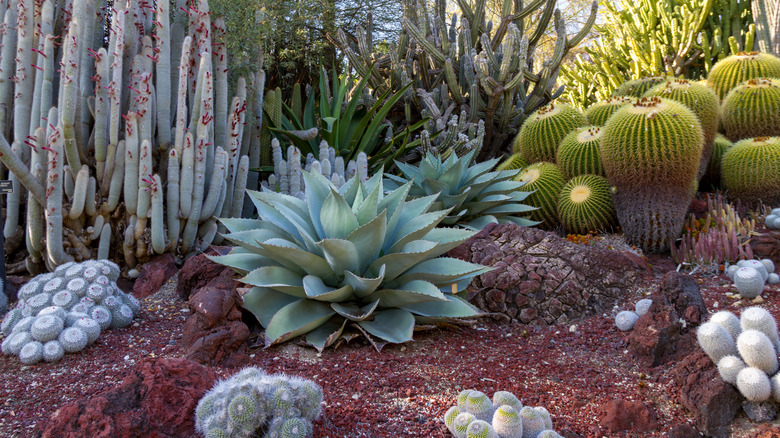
x: 382, y: 218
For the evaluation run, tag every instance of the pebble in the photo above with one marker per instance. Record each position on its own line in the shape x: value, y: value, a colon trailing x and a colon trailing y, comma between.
x: 758, y: 300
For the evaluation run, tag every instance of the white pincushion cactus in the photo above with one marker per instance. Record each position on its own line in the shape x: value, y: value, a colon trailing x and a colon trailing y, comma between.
x: 625, y: 320
x: 728, y: 321
x: 643, y: 306
x: 480, y: 429
x: 715, y: 341
x: 479, y: 405
x: 754, y: 384
x: 757, y: 351
x: 758, y: 266
x: 773, y: 219
x: 507, y: 422
x: 749, y: 282
x: 773, y: 279
x: 57, y: 311
x: 758, y: 318
x: 728, y: 368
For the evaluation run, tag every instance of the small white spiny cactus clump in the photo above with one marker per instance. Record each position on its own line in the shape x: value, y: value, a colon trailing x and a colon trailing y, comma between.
x: 750, y: 276
x: 772, y: 220
x: 64, y: 311
x: 626, y: 319
x: 288, y: 174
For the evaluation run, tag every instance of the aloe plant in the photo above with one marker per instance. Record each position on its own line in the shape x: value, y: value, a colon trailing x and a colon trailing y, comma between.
x: 475, y: 195
x: 347, y: 260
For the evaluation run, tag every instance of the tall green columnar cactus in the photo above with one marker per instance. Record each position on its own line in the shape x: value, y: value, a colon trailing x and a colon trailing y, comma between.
x: 648, y: 38
x: 467, y: 66
x: 651, y: 152
x: 152, y: 184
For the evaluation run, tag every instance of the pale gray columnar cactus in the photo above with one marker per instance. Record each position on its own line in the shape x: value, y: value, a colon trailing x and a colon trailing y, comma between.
x: 288, y: 178
x: 468, y: 69
x: 100, y: 134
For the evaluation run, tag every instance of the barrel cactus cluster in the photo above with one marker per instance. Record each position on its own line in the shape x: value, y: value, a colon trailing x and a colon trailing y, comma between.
x: 65, y: 311
x: 745, y: 350
x: 626, y: 319
x: 477, y: 416
x: 253, y: 403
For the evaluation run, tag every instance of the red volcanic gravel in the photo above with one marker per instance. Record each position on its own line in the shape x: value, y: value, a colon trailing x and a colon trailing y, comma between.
x: 404, y: 390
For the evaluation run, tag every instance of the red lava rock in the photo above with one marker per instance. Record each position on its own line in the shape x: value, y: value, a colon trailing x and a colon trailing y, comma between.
x: 713, y: 402
x: 197, y: 272
x: 157, y: 399
x: 682, y: 291
x: 619, y: 415
x: 214, y: 331
x: 767, y: 246
x: 154, y: 274
x: 660, y: 263
x: 684, y: 431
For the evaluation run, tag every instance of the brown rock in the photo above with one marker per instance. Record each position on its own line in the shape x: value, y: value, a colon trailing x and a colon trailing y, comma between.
x: 214, y: 330
x: 197, y: 272
x: 654, y: 335
x: 682, y: 291
x: 619, y: 415
x: 684, y: 431
x: 543, y: 279
x: 767, y: 246
x: 154, y: 274
x: 713, y: 402
x: 157, y: 399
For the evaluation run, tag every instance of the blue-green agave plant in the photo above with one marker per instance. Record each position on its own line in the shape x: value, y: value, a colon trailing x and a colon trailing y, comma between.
x: 348, y: 260
x: 476, y: 195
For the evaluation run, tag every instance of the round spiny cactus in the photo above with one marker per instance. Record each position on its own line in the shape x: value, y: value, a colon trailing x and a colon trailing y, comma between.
x: 507, y: 422
x: 533, y: 423
x: 729, y: 367
x: 543, y: 131
x: 750, y: 170
x: 719, y: 147
x: 736, y: 69
x: 752, y: 110
x: 600, y: 112
x: 479, y: 405
x: 700, y: 99
x: 754, y: 384
x: 31, y: 353
x: 758, y: 351
x: 716, y: 341
x: 638, y: 87
x: 578, y: 153
x: 585, y: 204
x: 506, y: 398
x: 53, y: 351
x: 728, y: 321
x: 480, y: 429
x: 545, y: 180
x: 461, y: 424
x: 515, y: 161
x: 651, y: 152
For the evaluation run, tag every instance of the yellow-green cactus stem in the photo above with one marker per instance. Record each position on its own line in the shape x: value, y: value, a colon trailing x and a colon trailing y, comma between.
x: 541, y: 134
x: 515, y: 161
x: 578, y: 153
x: 600, y: 112
x: 703, y: 101
x: 585, y: 204
x: 638, y: 87
x: 546, y: 181
x: 736, y: 69
x: 651, y: 152
x: 752, y: 110
x: 750, y: 170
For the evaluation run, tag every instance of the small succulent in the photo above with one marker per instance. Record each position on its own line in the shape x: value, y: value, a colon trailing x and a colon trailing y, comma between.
x: 626, y: 319
x: 353, y: 259
x: 772, y: 220
x: 252, y: 401
x: 64, y: 311
x: 475, y: 194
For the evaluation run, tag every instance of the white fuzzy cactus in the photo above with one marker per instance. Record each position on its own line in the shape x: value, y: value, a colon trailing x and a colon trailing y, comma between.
x: 758, y: 266
x: 728, y: 368
x: 757, y: 350
x: 754, y: 384
x: 728, y: 321
x: 749, y: 282
x: 643, y: 306
x: 508, y: 419
x: 715, y: 341
x: 625, y: 320
x: 758, y: 318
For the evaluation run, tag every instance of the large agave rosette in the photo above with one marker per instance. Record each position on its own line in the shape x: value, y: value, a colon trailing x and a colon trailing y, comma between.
x: 475, y: 195
x: 346, y: 260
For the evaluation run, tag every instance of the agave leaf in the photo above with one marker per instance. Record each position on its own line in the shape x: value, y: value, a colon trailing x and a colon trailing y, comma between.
x: 337, y: 217
x: 243, y: 262
x: 251, y: 239
x: 456, y: 307
x: 353, y: 312
x: 441, y: 271
x: 453, y: 176
x: 368, y: 240
x: 428, y: 168
x: 480, y: 168
x: 413, y: 292
x: 480, y: 222
x: 325, y: 335
x: 367, y: 210
x: 263, y: 303
x: 290, y: 202
x: 503, y: 187
x: 267, y: 212
x: 317, y: 189
x: 364, y: 286
x: 306, y: 230
x: 393, y: 200
x: 409, y: 171
x: 447, y: 238
x: 431, y: 186
x: 316, y: 289
x: 342, y: 255
x: 397, y: 263
x: 295, y: 319
x: 455, y: 200
x: 305, y: 261
x: 392, y: 325
x: 235, y: 224
x: 416, y: 228
x: 523, y: 222
x: 509, y: 209
x: 349, y: 190
x: 278, y: 278
x: 402, y: 215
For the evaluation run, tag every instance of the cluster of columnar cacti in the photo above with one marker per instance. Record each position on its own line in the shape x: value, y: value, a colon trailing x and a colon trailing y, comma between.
x: 772, y: 220
x: 722, y: 236
x: 745, y: 349
x: 120, y: 153
x: 750, y: 170
x: 648, y: 38
x: 626, y: 319
x: 252, y: 402
x: 65, y: 311
x: 467, y: 67
x: 477, y: 416
x: 750, y: 276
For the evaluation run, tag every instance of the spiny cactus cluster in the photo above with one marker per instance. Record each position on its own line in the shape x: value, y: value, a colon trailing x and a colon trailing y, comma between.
x: 476, y: 416
x: 745, y: 350
x: 750, y: 169
x: 750, y: 276
x: 253, y: 403
x: 626, y: 319
x: 772, y: 220
x: 65, y: 311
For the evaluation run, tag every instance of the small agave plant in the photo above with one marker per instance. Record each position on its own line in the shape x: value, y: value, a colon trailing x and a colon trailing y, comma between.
x: 476, y: 195
x: 348, y: 260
